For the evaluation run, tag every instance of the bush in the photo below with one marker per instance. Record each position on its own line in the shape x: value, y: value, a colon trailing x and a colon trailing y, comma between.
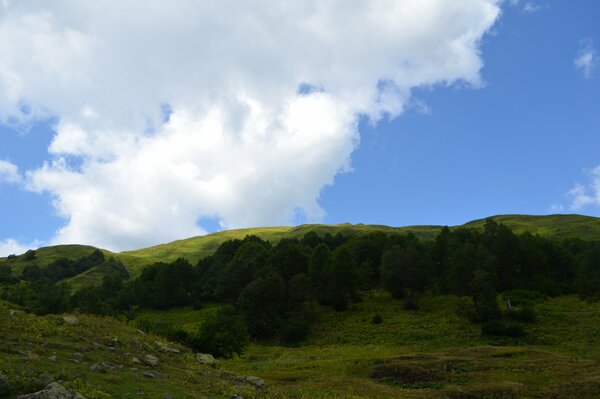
x: 297, y: 326
x: 525, y: 315
x: 223, y: 335
x: 377, y: 319
x: 502, y: 328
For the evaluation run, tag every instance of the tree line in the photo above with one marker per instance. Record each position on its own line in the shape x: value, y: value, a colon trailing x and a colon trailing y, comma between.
x: 273, y: 288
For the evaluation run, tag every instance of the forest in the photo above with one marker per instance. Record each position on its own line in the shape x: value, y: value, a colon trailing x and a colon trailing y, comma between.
x: 269, y: 291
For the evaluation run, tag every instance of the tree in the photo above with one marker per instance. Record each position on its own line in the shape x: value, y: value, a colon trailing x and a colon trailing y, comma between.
x: 473, y: 272
x: 262, y: 304
x: 342, y: 284
x: 404, y: 272
x: 320, y: 273
x: 222, y: 335
x: 250, y: 260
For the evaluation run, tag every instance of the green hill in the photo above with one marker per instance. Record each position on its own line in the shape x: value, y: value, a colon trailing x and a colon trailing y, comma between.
x: 195, y: 248
x: 102, y: 358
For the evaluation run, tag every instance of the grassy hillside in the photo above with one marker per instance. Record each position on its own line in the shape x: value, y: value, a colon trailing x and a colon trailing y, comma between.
x: 551, y: 226
x: 429, y: 353
x: 104, y: 358
x: 195, y: 248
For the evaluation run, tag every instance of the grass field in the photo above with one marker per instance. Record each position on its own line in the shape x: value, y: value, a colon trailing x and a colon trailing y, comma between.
x: 432, y: 352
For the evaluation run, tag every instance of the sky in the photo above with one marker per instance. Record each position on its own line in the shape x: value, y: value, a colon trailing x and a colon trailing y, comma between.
x: 129, y: 124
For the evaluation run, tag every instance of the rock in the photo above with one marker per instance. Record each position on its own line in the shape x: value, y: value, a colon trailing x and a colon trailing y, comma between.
x: 112, y: 366
x: 136, y: 360
x: 205, y: 358
x: 15, y: 312
x: 256, y: 381
x: 52, y: 391
x: 52, y: 358
x: 236, y: 397
x: 167, y: 348
x: 70, y: 320
x: 153, y: 374
x: 96, y: 367
x: 151, y: 360
x: 136, y: 343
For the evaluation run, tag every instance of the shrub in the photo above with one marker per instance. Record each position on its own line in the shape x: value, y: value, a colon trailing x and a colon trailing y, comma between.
x: 501, y: 328
x: 223, y: 335
x: 525, y: 315
x: 377, y: 319
x: 297, y: 326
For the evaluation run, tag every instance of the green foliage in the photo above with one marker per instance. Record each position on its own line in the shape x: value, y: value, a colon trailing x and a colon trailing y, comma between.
x: 262, y: 304
x: 525, y: 314
x: 223, y: 335
x: 377, y: 319
x: 502, y: 328
x: 297, y: 326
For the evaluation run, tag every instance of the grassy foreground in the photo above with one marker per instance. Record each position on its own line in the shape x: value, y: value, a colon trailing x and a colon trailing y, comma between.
x: 429, y: 353
x: 432, y: 352
x: 101, y: 358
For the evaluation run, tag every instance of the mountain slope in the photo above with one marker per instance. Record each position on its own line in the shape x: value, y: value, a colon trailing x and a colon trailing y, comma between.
x: 195, y: 248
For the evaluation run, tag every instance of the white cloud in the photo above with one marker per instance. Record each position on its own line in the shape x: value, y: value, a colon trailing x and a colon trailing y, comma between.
x: 9, y: 172
x: 585, y: 195
x: 13, y: 247
x: 528, y: 7
x: 242, y: 144
x: 587, y: 59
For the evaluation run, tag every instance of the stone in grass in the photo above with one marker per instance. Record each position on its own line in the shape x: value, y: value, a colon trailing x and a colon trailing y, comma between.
x: 256, y: 382
x: 112, y: 366
x: 70, y: 320
x: 154, y: 374
x: 151, y: 360
x: 205, y: 358
x: 52, y: 391
x: 167, y: 348
x: 96, y: 367
x: 136, y: 360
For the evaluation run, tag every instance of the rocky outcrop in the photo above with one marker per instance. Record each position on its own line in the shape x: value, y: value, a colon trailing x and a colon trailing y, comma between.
x: 151, y: 360
x: 205, y: 358
x: 52, y: 391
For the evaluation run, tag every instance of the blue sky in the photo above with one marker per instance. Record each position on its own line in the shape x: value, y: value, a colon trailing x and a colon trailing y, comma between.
x: 517, y: 145
x: 520, y: 135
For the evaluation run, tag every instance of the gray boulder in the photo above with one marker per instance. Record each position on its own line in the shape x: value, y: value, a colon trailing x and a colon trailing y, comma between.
x: 256, y: 381
x: 151, y: 360
x: 205, y: 358
x: 53, y: 391
x: 70, y: 320
x: 167, y: 348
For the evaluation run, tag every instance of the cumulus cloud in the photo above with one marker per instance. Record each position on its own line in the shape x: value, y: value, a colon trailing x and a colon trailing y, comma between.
x: 169, y: 112
x: 587, y: 59
x: 13, y: 247
x: 584, y: 195
x: 9, y: 172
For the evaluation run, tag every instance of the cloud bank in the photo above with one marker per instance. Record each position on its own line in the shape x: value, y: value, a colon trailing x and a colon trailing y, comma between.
x: 170, y: 112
